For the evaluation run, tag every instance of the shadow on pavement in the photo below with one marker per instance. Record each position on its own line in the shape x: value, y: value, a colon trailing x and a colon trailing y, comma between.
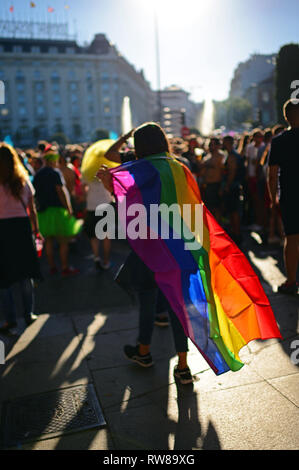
x: 79, y: 338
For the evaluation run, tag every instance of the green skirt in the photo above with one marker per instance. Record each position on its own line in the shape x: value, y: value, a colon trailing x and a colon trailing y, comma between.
x: 56, y: 222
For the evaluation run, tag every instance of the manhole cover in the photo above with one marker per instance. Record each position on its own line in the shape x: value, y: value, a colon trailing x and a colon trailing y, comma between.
x: 50, y: 414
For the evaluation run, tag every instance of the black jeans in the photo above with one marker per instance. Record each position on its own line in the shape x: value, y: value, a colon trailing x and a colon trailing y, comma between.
x: 143, y: 282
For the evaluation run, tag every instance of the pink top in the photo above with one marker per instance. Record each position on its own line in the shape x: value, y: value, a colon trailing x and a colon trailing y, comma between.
x: 12, y: 207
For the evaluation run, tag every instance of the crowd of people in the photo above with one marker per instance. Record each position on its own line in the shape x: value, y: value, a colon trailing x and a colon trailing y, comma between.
x: 42, y: 190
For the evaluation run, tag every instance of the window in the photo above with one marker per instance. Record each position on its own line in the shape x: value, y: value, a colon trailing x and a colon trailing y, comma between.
x: 39, y: 98
x: 2, y: 75
x: 20, y: 75
x: 53, y: 50
x: 73, y: 97
x: 22, y: 111
x: 73, y: 86
x: 21, y: 98
x: 105, y: 88
x: 40, y: 110
x: 17, y: 48
x: 72, y: 74
x: 54, y: 75
x: 70, y: 50
x: 89, y: 85
x: 105, y: 78
x: 55, y: 86
x: 56, y: 98
x: 35, y: 49
x: 36, y: 74
x: 57, y: 110
x: 39, y: 86
x: 20, y: 87
x: 74, y: 109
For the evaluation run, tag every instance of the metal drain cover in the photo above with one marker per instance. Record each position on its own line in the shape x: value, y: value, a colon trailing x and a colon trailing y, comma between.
x: 50, y: 414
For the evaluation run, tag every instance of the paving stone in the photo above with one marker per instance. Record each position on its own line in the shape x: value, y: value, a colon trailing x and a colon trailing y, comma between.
x: 47, y: 349
x: 85, y: 440
x: 251, y: 417
x: 275, y: 360
x: 288, y: 386
x: 106, y: 321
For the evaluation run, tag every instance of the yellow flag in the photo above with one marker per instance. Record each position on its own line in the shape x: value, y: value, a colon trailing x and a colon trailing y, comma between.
x: 32, y: 4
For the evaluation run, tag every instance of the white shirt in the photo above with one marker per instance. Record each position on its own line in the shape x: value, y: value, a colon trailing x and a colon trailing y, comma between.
x: 251, y: 154
x: 97, y: 194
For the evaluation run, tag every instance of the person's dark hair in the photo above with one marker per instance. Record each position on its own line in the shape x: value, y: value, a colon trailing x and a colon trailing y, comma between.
x: 256, y: 132
x: 12, y: 172
x: 216, y: 140
x: 243, y: 142
x: 75, y: 157
x: 229, y: 138
x: 268, y: 134
x: 277, y: 129
x: 150, y: 139
x: 291, y: 110
x: 41, y: 145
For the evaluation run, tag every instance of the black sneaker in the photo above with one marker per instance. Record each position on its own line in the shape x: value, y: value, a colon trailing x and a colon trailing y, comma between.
x: 31, y: 319
x: 132, y: 353
x: 161, y: 321
x: 287, y: 288
x: 184, y: 375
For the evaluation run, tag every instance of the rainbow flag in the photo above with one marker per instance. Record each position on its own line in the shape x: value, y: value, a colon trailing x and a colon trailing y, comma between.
x: 207, y: 280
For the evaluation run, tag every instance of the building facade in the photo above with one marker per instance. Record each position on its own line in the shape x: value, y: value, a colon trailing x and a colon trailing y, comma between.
x: 248, y: 74
x: 254, y: 81
x: 178, y: 110
x: 56, y: 86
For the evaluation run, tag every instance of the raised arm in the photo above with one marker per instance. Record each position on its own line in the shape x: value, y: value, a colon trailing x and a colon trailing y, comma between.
x: 113, y: 153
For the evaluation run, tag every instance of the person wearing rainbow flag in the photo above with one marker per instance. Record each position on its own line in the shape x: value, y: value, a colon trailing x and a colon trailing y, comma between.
x: 215, y: 298
x: 149, y: 139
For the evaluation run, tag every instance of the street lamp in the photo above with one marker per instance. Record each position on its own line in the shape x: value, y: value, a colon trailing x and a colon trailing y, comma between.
x: 158, y: 67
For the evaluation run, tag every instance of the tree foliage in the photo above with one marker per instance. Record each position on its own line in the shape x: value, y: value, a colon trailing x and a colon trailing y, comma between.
x: 60, y: 138
x: 233, y: 112
x: 100, y: 134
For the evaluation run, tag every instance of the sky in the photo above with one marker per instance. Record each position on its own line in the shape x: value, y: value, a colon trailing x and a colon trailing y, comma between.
x: 200, y: 42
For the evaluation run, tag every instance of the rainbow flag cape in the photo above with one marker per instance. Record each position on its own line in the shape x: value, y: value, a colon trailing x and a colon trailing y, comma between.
x: 209, y: 284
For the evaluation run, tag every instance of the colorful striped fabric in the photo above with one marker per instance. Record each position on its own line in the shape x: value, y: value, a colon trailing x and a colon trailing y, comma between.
x: 212, y: 289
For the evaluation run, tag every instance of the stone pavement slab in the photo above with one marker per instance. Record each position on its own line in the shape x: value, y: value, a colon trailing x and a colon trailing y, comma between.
x: 96, y: 439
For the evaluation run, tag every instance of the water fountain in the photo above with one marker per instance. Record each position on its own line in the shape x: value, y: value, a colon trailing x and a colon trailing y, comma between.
x: 126, y: 116
x: 207, y: 119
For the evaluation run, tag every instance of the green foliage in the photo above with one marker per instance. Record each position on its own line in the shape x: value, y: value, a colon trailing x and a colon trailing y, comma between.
x: 100, y: 134
x: 287, y: 70
x: 232, y: 112
x: 60, y: 138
